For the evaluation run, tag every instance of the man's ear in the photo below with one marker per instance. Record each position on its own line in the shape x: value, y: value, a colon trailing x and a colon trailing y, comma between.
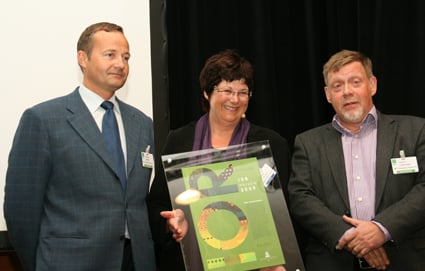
x: 82, y: 59
x: 373, y: 85
x: 328, y: 95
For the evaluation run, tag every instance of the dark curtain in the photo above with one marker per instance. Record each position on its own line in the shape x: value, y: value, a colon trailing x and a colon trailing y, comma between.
x: 288, y: 41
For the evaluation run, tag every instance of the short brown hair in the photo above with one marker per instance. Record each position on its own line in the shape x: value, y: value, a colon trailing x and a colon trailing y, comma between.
x: 344, y: 57
x: 85, y: 42
x: 227, y: 65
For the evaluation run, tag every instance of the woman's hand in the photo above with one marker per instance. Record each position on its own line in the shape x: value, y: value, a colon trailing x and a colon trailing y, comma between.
x: 177, y: 223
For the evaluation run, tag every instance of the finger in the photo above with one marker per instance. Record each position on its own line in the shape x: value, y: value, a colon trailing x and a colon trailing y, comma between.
x: 341, y: 244
x: 350, y: 220
x: 377, y: 258
x: 178, y: 236
x: 346, y: 239
x: 383, y: 255
x: 371, y: 259
x: 362, y: 252
x: 351, y: 244
x: 167, y: 214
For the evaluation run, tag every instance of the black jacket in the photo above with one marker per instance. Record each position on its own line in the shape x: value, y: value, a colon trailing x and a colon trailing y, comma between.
x: 168, y: 252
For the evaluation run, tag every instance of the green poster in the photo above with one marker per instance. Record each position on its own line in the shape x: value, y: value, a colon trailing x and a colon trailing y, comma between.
x: 232, y: 218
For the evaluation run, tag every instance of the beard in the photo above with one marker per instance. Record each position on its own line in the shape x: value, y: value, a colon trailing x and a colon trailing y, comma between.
x: 354, y: 116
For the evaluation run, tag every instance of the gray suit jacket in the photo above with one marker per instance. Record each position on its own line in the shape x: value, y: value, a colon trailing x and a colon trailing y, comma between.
x: 64, y: 206
x: 319, y: 195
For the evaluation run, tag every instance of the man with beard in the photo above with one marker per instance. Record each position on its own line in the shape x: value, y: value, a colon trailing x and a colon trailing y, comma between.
x: 357, y: 185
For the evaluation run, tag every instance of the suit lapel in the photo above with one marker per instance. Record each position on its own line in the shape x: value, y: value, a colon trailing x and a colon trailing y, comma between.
x: 82, y: 121
x: 136, y: 135
x: 132, y: 130
x: 386, y: 136
x: 335, y: 156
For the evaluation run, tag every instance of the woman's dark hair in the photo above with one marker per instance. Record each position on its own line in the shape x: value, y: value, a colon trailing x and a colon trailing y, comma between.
x: 227, y: 65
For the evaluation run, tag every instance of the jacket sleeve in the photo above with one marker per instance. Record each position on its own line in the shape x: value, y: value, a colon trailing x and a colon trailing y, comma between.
x: 26, y: 180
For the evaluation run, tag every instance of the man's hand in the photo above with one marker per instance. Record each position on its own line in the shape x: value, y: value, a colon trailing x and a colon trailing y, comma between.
x: 177, y: 223
x: 377, y: 258
x: 365, y: 237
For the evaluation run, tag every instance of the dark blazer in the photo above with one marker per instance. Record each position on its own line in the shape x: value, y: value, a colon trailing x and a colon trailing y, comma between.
x: 319, y: 197
x: 64, y: 205
x: 181, y: 140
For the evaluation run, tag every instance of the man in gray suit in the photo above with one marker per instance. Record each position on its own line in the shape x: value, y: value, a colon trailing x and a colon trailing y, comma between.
x: 65, y: 207
x: 358, y: 186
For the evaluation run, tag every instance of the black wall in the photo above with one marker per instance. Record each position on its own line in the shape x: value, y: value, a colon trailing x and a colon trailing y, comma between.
x: 288, y: 42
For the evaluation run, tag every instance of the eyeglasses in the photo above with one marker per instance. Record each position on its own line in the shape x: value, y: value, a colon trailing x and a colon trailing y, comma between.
x: 243, y: 95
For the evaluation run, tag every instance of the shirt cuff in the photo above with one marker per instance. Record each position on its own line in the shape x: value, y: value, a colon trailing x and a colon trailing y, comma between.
x: 384, y: 230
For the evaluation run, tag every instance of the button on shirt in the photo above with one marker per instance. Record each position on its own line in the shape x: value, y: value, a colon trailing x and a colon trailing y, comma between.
x: 360, y: 164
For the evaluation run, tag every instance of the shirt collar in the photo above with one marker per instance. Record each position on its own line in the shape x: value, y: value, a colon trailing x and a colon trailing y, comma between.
x: 93, y: 101
x: 370, y: 121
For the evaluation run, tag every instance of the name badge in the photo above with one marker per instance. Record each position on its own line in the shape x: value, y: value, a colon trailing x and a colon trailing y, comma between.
x: 267, y: 174
x: 147, y: 158
x: 404, y: 165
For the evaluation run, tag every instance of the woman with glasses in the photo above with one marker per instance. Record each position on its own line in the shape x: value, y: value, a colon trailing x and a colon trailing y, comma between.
x: 227, y: 85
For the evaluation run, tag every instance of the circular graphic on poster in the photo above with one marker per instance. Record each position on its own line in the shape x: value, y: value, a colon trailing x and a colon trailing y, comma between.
x: 223, y: 225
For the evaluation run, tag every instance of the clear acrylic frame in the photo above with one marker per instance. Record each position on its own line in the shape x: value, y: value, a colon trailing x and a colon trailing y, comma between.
x: 236, y: 210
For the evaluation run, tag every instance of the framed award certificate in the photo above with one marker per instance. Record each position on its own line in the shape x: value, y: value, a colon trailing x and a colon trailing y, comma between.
x: 232, y: 199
